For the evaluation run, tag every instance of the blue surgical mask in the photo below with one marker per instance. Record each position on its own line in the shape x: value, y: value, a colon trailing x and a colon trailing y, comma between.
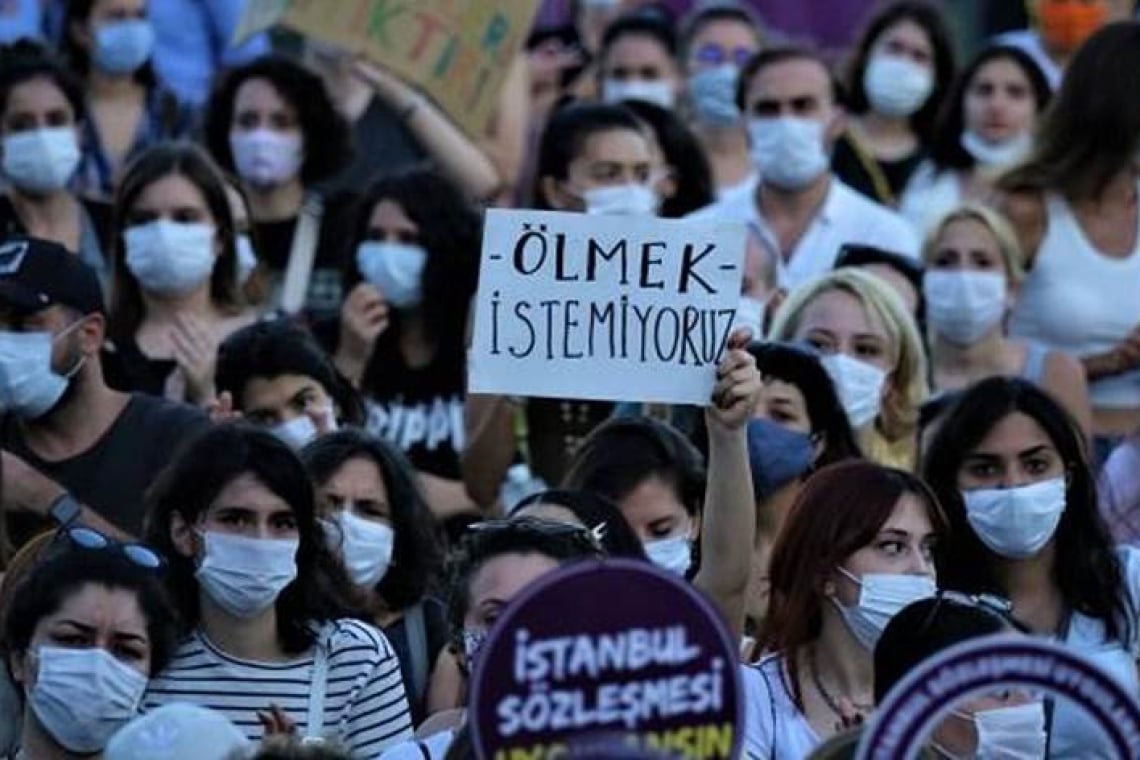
x: 122, y: 47
x: 778, y: 456
x: 170, y: 258
x: 396, y: 269
x: 41, y: 161
x: 674, y: 555
x: 712, y: 92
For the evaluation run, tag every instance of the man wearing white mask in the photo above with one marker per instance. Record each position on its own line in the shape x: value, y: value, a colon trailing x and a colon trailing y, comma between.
x: 74, y: 449
x: 805, y: 214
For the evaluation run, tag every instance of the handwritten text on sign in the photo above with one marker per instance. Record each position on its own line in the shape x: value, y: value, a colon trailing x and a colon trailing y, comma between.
x: 603, y: 307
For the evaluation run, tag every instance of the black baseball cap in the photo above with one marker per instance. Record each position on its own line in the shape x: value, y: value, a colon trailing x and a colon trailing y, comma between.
x: 36, y: 274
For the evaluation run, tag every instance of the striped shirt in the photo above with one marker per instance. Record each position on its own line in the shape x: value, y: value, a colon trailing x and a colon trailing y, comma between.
x: 365, y: 708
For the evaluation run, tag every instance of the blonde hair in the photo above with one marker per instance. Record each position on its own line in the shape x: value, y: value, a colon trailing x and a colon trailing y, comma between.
x: 998, y: 226
x: 898, y: 419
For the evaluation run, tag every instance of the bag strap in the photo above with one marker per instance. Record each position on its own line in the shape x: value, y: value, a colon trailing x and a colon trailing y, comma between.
x: 315, y: 724
x: 302, y: 255
x: 418, y: 649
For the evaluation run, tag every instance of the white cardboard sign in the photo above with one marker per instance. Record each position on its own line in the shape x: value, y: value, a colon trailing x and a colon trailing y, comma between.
x: 609, y: 308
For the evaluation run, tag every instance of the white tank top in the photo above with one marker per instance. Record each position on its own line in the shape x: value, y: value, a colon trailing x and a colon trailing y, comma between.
x: 1080, y: 301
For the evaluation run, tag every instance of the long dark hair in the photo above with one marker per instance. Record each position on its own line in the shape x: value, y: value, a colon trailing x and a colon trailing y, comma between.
x: 931, y: 19
x: 189, y: 485
x: 1090, y: 132
x: 449, y: 232
x: 184, y: 159
x: 1086, y: 571
x: 946, y: 151
x: 683, y: 153
x: 416, y: 556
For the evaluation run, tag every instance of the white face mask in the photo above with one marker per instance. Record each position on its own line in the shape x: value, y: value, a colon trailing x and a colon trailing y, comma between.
x: 895, y: 86
x: 266, y: 157
x: 83, y: 696
x: 674, y: 555
x: 246, y: 259
x: 964, y: 306
x: 659, y: 92
x: 396, y: 269
x: 712, y: 91
x: 41, y: 161
x: 1008, y: 733
x: 29, y: 387
x: 365, y: 545
x: 621, y: 200
x: 750, y: 314
x: 1016, y: 522
x: 997, y: 155
x: 170, y: 258
x: 788, y: 151
x: 297, y: 433
x: 244, y: 576
x: 859, y: 386
x: 881, y: 597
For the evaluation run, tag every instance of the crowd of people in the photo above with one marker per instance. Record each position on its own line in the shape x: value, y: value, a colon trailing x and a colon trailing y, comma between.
x: 249, y: 508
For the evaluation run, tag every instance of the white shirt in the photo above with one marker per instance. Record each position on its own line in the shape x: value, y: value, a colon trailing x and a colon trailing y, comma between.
x: 846, y: 216
x: 929, y: 195
x: 774, y: 728
x: 434, y: 747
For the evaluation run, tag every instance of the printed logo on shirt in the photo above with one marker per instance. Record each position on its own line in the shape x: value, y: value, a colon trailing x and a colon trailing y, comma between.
x: 432, y: 425
x: 12, y: 256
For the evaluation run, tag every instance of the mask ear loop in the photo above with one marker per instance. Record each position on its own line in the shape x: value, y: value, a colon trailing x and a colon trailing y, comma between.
x: 82, y: 359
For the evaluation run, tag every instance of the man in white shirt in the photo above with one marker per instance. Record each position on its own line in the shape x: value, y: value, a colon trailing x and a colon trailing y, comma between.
x: 803, y: 212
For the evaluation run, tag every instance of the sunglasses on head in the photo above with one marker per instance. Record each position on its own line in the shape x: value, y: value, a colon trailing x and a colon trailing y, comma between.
x: 88, y: 539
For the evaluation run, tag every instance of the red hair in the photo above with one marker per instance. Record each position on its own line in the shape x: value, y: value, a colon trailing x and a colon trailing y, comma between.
x: 840, y: 510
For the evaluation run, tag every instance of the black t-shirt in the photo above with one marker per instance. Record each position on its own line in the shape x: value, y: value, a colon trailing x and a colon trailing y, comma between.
x: 435, y: 635
x: 112, y: 476
x: 128, y: 369
x: 420, y: 410
x: 858, y: 168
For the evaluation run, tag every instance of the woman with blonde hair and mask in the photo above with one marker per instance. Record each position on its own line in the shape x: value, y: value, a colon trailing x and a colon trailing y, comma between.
x: 973, y: 273
x: 872, y: 350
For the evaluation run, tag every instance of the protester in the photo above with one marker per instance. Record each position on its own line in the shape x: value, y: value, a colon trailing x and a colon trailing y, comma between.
x: 798, y: 426
x: 72, y: 448
x: 178, y: 732
x: 986, y: 128
x: 716, y: 42
x: 902, y: 273
x: 902, y: 68
x: 973, y: 272
x: 380, y: 526
x: 493, y: 563
x: 638, y: 61
x: 1058, y: 30
x: 872, y: 351
x: 272, y: 123
x: 275, y: 375
x: 841, y: 568
x: 588, y: 510
x: 41, y: 114
x: 803, y: 210
x: 659, y: 482
x: 263, y: 602
x: 82, y: 634
x: 402, y: 330
x: 1073, y: 205
x: 684, y: 183
x: 175, y: 293
x: 1011, y: 469
x: 109, y: 43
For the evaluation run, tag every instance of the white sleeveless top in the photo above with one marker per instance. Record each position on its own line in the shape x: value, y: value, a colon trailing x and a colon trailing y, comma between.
x: 929, y: 195
x: 1081, y: 302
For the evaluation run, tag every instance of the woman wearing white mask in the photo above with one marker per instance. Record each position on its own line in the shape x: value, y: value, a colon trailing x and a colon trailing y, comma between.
x: 401, y: 338
x: 840, y: 569
x: 380, y: 526
x: 1012, y: 471
x: 273, y: 124
x: 717, y: 40
x: 973, y: 270
x: 901, y: 71
x: 262, y: 600
x: 275, y: 375
x: 41, y: 114
x: 175, y: 293
x: 985, y: 129
x: 638, y: 61
x: 109, y: 44
x: 85, y: 627
x: 871, y: 349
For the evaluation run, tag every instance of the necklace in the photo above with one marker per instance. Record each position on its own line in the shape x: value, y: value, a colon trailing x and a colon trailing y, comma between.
x: 828, y: 699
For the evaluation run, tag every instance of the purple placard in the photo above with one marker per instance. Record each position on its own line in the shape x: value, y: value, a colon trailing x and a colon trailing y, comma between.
x: 612, y: 650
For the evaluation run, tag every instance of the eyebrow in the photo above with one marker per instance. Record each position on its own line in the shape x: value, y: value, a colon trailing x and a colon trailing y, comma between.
x: 894, y: 533
x: 85, y: 628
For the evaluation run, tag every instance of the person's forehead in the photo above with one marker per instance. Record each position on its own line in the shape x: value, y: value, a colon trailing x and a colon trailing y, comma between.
x: 792, y: 77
